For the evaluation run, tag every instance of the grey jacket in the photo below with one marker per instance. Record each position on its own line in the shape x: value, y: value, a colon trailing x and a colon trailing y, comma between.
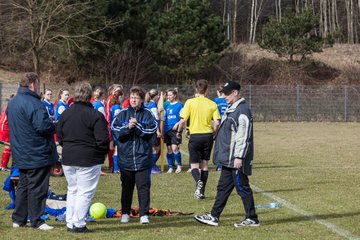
x: 235, y: 137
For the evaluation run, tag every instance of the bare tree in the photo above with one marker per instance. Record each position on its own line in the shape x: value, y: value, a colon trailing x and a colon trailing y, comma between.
x: 129, y: 67
x: 350, y: 20
x: 278, y: 11
x: 44, y: 23
x: 255, y: 12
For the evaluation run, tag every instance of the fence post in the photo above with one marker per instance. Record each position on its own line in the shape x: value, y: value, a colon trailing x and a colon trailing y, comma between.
x: 345, y: 103
x: 250, y: 96
x: 297, y: 103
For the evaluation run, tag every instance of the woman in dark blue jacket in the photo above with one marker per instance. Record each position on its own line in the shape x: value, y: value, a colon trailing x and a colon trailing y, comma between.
x: 133, y: 129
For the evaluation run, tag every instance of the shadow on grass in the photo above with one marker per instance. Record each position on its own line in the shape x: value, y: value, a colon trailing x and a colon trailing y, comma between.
x: 274, y: 166
x: 280, y: 190
x: 155, y: 223
x: 311, y: 218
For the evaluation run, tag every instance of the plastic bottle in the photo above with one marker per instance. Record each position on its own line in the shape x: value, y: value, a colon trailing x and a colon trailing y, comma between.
x: 268, y: 205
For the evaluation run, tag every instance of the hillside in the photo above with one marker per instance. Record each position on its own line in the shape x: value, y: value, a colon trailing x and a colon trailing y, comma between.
x: 253, y: 65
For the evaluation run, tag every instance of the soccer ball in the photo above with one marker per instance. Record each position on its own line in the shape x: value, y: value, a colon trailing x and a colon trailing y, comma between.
x: 98, y: 210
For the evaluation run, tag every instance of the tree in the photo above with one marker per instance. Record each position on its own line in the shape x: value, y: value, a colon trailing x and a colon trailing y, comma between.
x: 186, y: 38
x: 294, y: 35
x: 56, y: 23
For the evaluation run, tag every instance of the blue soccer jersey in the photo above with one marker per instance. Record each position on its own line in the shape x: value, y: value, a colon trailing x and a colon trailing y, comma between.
x: 222, y: 105
x: 98, y: 105
x: 114, y: 111
x: 60, y: 108
x: 172, y: 115
x: 50, y: 109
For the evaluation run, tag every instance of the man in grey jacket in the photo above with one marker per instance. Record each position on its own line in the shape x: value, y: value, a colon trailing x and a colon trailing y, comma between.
x: 234, y: 150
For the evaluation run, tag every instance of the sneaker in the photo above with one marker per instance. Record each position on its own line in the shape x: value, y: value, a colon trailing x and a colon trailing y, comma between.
x: 155, y: 170
x: 3, y: 169
x: 178, y: 169
x: 144, y: 219
x: 125, y: 218
x: 199, y: 186
x: 247, y: 223
x: 189, y: 170
x: 117, y: 172
x: 45, y: 227
x: 207, y: 219
x: 171, y: 170
x: 81, y: 230
x: 16, y: 225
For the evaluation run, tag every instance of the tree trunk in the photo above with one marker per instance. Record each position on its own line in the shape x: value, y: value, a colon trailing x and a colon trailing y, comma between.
x: 234, y: 38
x: 350, y: 21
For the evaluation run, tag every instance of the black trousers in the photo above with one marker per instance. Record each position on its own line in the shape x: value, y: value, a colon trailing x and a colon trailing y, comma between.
x: 229, y: 179
x: 142, y: 181
x: 31, y: 195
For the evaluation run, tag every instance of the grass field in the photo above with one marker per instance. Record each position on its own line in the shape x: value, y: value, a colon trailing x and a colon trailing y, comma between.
x: 311, y: 169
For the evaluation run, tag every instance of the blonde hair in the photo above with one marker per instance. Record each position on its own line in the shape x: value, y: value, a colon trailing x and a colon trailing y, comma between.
x: 150, y: 95
x: 98, y: 93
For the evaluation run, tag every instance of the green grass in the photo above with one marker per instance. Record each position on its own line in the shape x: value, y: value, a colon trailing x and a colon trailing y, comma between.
x: 314, y: 166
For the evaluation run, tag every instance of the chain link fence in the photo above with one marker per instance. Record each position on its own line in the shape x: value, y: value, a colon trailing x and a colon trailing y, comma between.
x: 272, y: 102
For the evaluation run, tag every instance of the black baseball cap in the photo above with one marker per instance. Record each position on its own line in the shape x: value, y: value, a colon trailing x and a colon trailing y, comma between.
x: 230, y: 86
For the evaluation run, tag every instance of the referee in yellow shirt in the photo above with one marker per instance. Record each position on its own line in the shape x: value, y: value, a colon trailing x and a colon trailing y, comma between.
x: 201, y: 112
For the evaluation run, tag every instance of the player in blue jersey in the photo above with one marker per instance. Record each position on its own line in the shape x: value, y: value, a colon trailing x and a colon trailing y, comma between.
x: 221, y: 102
x: 151, y: 99
x: 98, y: 100
x: 48, y: 104
x: 61, y: 105
x: 172, y: 118
x: 114, y: 111
x: 222, y: 106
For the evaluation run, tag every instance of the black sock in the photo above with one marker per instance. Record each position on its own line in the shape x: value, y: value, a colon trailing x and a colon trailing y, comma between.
x: 204, y: 178
x: 196, y: 174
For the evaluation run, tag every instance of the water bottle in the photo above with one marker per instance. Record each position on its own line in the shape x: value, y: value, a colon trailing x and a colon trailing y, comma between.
x: 274, y: 205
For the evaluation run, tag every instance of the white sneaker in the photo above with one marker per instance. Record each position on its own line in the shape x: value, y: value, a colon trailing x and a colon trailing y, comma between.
x: 144, y: 219
x: 170, y: 170
x: 45, y: 227
x: 125, y: 218
x: 16, y: 225
x: 178, y: 169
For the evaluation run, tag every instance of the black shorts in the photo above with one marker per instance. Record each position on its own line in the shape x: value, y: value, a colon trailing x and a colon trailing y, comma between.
x: 171, y: 139
x: 200, y: 146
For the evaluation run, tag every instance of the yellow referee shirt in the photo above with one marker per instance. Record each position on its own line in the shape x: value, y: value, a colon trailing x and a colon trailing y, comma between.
x: 201, y: 111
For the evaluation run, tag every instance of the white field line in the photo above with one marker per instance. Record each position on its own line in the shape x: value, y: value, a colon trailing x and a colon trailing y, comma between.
x: 334, y: 228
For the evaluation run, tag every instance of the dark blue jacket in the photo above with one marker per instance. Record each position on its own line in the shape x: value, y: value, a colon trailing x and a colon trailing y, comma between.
x: 134, y: 145
x: 31, y: 131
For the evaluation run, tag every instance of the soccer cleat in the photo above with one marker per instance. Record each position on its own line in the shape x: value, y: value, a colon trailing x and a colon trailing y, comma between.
x: 144, y: 219
x: 178, y: 169
x: 45, y: 227
x: 125, y: 218
x: 197, y: 194
x: 247, y: 223
x: 170, y: 170
x: 3, y: 169
x: 207, y: 219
